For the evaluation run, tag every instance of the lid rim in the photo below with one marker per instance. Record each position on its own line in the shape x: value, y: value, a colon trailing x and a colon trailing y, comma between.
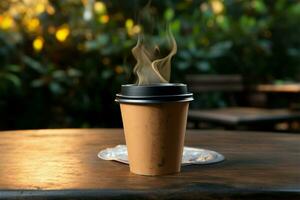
x: 154, y: 96
x: 152, y: 101
x: 155, y: 85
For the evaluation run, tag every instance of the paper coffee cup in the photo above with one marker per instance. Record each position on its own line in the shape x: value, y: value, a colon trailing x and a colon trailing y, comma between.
x: 154, y: 119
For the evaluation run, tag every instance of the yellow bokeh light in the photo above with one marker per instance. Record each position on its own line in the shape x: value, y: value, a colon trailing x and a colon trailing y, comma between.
x: 129, y: 24
x: 217, y: 6
x: 16, y: 9
x: 38, y: 43
x: 104, y: 19
x: 50, y: 10
x: 6, y: 22
x: 119, y: 69
x: 27, y: 8
x: 136, y: 29
x: 32, y: 24
x: 62, y: 33
x: 131, y: 28
x: 39, y: 8
x: 100, y: 7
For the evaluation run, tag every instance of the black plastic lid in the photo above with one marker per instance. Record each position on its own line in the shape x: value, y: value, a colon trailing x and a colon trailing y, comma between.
x: 154, y: 93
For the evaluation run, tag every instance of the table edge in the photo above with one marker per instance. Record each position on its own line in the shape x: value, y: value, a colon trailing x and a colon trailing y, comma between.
x: 177, y: 193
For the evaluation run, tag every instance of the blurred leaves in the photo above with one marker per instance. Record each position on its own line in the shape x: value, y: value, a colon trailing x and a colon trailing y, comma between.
x: 169, y: 14
x: 10, y: 77
x: 219, y: 49
x: 100, y: 42
x: 57, y: 64
x: 259, y: 6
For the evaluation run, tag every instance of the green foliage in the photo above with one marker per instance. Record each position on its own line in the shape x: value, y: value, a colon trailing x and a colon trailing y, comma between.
x: 72, y: 81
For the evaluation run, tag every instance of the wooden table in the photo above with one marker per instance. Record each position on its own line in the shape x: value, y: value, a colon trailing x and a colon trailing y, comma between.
x: 290, y: 91
x: 251, y: 117
x: 279, y: 88
x: 63, y: 164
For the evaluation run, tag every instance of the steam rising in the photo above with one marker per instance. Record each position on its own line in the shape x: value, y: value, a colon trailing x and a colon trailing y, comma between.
x: 149, y: 69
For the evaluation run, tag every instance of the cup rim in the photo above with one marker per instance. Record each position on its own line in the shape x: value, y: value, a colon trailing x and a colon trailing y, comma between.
x: 154, y: 85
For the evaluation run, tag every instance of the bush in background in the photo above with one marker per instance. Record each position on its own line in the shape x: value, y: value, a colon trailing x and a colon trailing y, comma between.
x: 62, y: 62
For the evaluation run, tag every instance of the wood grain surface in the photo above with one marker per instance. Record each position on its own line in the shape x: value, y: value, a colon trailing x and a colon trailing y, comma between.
x: 63, y: 164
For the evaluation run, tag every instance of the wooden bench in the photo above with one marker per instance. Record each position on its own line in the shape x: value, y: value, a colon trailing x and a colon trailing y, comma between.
x: 234, y: 116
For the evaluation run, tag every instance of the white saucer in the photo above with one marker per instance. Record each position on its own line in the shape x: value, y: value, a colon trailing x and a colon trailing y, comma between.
x: 190, y: 155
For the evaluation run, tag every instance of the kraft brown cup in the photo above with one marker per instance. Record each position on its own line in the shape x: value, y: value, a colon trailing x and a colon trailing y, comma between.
x: 154, y: 133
